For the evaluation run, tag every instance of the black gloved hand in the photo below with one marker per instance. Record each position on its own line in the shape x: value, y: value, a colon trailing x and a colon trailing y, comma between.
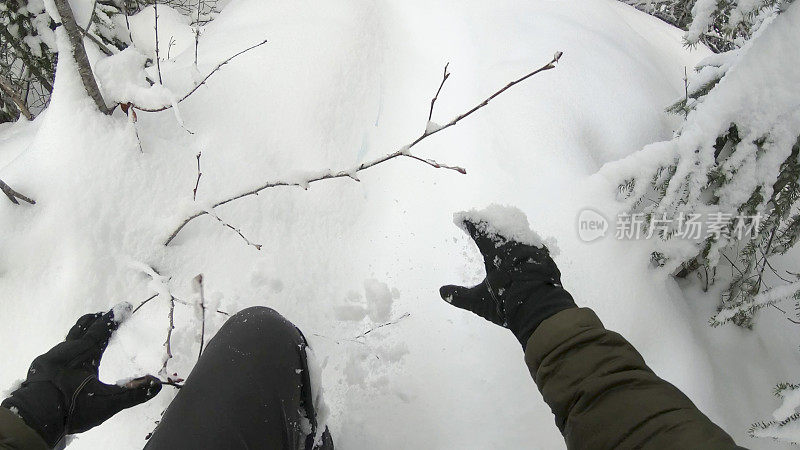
x: 62, y: 394
x: 522, y: 287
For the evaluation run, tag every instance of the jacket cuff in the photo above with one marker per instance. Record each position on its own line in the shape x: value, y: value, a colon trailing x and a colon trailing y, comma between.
x: 16, y: 434
x: 543, y: 303
x: 555, y: 330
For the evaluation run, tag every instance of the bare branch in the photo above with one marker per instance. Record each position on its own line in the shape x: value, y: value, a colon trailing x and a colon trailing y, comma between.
x: 548, y: 66
x: 144, y: 302
x: 79, y: 54
x: 199, y: 280
x: 238, y: 231
x: 91, y: 17
x: 382, y: 325
x: 445, y: 76
x: 404, y: 151
x: 131, y: 113
x: 202, y: 82
x: 172, y: 383
x: 169, y: 46
x: 168, y: 342
x: 197, y: 32
x: 14, y: 195
x: 199, y: 174
x: 158, y: 60
x: 8, y: 89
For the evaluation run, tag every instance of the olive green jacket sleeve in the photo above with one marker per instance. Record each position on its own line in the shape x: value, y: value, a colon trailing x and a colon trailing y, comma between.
x: 16, y: 435
x: 603, y: 394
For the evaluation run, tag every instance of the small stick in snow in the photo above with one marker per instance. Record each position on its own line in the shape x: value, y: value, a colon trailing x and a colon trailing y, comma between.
x: 364, y: 334
x: 144, y: 302
x: 199, y: 280
x: 403, y: 151
x: 169, y: 46
x: 170, y: 382
x: 185, y: 303
x: 168, y: 342
x: 686, y: 92
x: 202, y: 82
x: 127, y: 108
x: 14, y: 195
x: 199, y: 174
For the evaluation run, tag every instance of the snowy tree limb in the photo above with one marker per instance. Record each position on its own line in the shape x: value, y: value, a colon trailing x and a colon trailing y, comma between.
x: 202, y: 82
x: 404, y: 151
x: 14, y: 195
x: 79, y: 54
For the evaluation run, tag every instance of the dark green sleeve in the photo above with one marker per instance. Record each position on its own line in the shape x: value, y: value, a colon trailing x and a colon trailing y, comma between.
x: 15, y: 435
x: 603, y: 394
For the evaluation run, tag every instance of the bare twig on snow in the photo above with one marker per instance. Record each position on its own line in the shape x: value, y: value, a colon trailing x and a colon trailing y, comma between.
x: 168, y: 342
x: 199, y: 174
x: 392, y: 322
x: 202, y: 82
x: 199, y: 280
x: 238, y: 231
x: 404, y: 151
x: 14, y: 195
x: 144, y: 302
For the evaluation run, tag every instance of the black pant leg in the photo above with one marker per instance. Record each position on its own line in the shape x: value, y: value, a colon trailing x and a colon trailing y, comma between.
x: 249, y: 390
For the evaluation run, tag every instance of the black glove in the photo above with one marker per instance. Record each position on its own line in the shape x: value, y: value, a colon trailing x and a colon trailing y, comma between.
x: 522, y: 287
x: 62, y: 394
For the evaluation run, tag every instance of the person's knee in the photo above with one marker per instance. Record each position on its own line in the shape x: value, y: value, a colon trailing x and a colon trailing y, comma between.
x: 261, y: 313
x: 263, y: 321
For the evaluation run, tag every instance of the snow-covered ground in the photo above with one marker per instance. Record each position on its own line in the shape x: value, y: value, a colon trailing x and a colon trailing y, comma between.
x: 336, y: 85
